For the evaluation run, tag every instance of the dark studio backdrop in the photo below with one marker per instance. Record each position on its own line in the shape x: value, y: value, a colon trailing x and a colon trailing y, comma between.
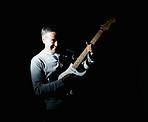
x: 117, y: 83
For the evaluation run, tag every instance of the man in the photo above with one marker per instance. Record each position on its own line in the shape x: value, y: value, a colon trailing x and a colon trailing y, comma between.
x: 45, y: 68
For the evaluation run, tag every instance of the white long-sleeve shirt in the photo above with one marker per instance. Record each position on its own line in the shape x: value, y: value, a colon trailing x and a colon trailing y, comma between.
x: 45, y: 68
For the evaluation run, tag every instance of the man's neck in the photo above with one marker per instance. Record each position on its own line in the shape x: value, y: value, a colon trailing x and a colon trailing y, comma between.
x: 49, y: 51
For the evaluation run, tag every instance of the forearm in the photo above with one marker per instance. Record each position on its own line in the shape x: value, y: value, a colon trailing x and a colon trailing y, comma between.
x: 40, y: 83
x: 41, y: 88
x: 88, y: 61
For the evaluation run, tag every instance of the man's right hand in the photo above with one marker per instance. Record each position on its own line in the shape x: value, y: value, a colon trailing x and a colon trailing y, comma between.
x: 68, y: 77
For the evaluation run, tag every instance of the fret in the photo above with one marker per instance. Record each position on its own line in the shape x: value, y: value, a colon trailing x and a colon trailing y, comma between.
x: 93, y: 41
x: 85, y: 52
x: 80, y: 58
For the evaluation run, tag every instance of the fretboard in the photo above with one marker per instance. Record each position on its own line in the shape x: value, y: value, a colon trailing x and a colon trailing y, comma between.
x: 85, y: 52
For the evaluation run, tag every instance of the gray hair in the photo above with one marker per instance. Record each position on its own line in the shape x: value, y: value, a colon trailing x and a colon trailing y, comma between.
x: 48, y: 28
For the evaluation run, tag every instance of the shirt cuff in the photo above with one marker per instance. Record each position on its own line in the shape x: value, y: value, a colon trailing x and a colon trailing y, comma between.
x: 90, y: 61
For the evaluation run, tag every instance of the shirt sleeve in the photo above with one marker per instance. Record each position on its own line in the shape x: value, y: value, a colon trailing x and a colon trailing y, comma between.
x: 87, y: 62
x: 39, y: 82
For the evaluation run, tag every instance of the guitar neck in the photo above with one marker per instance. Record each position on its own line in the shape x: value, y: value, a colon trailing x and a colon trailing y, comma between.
x: 85, y: 52
x: 93, y: 41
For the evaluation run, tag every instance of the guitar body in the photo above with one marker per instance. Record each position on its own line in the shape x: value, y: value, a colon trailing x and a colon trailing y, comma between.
x: 71, y: 70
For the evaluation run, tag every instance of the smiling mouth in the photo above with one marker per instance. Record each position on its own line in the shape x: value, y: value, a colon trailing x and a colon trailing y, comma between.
x: 53, y: 47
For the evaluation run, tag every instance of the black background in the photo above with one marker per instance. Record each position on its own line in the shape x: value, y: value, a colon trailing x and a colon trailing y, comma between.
x: 117, y: 84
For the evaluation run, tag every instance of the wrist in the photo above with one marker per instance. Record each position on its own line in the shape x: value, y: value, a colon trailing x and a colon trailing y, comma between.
x: 91, y: 53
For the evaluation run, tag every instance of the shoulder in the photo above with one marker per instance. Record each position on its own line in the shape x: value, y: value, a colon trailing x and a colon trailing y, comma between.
x: 38, y: 60
x: 38, y: 57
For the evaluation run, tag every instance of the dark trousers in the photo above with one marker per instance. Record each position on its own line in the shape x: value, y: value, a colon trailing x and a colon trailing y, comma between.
x: 58, y: 115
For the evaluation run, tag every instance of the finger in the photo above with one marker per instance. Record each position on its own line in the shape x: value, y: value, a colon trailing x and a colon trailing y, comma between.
x: 87, y: 43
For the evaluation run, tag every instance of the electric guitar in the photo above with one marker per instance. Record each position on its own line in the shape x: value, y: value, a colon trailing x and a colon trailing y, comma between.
x: 73, y: 67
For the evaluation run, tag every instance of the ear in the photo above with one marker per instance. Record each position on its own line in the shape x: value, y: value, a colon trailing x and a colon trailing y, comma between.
x: 43, y: 39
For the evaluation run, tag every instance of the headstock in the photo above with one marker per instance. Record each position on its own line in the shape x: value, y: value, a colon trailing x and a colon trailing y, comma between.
x: 107, y: 24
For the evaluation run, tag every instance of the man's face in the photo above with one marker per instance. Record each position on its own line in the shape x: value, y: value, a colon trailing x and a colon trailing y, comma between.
x: 49, y: 39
